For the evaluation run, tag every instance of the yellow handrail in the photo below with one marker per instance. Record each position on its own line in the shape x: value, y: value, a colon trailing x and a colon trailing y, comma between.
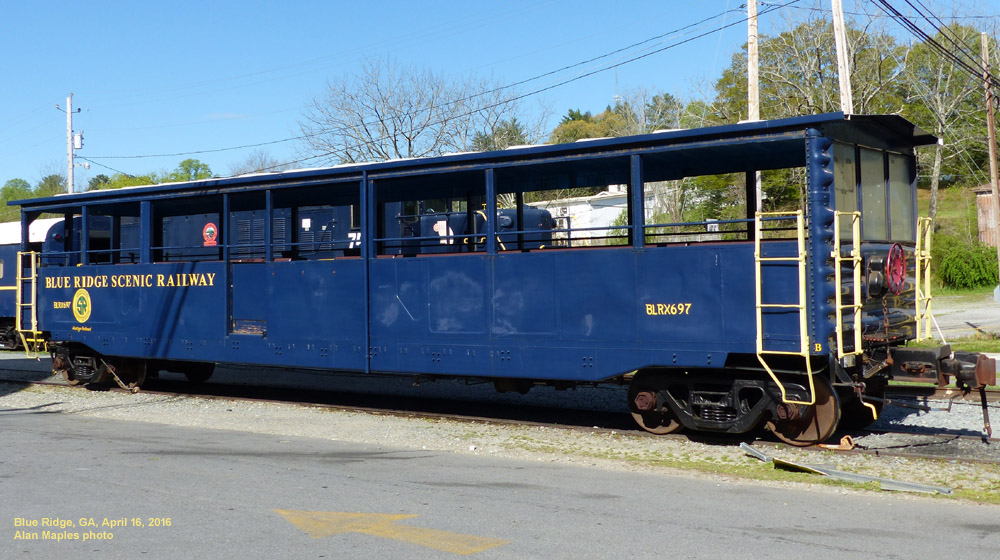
x: 855, y: 259
x: 31, y: 338
x: 922, y: 288
x: 800, y: 258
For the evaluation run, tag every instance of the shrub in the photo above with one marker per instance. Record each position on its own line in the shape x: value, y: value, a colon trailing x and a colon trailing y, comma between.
x: 962, y: 263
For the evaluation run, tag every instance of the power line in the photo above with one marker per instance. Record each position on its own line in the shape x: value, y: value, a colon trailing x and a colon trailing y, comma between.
x: 452, y: 102
x: 975, y: 70
x: 505, y: 101
x: 553, y: 86
x: 105, y: 166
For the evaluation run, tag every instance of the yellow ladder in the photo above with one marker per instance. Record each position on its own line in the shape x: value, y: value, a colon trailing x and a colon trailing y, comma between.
x: 31, y: 338
x: 800, y: 258
x: 855, y: 260
x: 923, y: 297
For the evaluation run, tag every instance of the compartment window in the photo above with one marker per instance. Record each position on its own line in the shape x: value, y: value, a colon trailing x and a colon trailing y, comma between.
x: 583, y: 203
x: 874, y: 226
x: 431, y: 214
x: 901, y: 194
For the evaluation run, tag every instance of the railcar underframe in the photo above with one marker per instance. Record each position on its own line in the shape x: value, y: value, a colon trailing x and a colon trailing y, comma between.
x: 721, y: 324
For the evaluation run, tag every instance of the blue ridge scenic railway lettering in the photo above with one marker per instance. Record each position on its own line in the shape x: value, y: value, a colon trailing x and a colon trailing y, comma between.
x: 132, y: 281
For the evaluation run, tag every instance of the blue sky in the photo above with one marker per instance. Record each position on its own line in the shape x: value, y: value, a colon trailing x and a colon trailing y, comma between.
x: 174, y: 77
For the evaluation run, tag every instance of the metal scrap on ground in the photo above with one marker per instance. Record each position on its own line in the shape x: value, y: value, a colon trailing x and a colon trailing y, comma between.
x: 884, y: 483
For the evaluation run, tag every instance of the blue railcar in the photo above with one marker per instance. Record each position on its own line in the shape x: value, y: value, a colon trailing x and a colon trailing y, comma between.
x: 454, y: 266
x: 10, y: 246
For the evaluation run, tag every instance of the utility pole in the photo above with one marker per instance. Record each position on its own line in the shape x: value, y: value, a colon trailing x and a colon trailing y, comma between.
x: 991, y: 134
x: 843, y: 68
x: 72, y: 143
x: 69, y: 144
x: 753, y: 83
x: 753, y: 62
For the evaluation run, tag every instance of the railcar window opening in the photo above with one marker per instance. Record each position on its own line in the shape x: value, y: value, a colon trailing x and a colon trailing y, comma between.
x: 696, y: 209
x: 63, y: 244
x: 182, y: 229
x: 706, y: 192
x: 186, y: 238
x: 573, y: 204
x: 318, y: 222
x: 125, y: 245
x: 114, y: 234
x: 434, y: 214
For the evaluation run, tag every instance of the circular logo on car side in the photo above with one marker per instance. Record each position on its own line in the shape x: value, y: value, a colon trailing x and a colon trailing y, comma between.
x: 81, y: 305
x: 210, y: 234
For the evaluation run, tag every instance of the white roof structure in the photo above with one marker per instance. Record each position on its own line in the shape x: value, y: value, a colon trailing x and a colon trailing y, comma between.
x: 10, y: 232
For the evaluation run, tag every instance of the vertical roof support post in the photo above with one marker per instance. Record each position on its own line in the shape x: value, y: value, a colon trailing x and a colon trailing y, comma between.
x: 115, y: 256
x: 268, y: 218
x: 491, y: 214
x: 145, y: 232
x: 26, y: 219
x: 224, y: 228
x: 637, y: 206
x: 750, y: 189
x: 368, y: 230
x: 85, y: 235
x: 519, y: 215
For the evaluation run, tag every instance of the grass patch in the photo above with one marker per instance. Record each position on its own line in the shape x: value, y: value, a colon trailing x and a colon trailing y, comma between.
x: 978, y: 343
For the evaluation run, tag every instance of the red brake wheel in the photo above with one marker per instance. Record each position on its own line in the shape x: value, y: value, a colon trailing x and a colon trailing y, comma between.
x: 895, y: 268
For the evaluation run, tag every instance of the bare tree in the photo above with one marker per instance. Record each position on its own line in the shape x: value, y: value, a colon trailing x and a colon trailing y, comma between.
x: 257, y: 161
x: 947, y: 101
x: 388, y: 111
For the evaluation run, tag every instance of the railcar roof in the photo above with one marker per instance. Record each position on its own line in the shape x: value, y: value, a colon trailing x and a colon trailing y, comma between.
x: 890, y: 129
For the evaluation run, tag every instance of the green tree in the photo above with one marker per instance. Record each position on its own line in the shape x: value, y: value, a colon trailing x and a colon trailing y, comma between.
x: 189, y: 170
x: 119, y: 180
x: 798, y: 73
x: 14, y: 189
x: 96, y: 182
x: 507, y: 133
x: 573, y: 130
x: 50, y: 185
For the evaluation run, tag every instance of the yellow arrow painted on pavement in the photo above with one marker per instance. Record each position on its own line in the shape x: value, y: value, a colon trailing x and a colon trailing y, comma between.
x: 318, y: 524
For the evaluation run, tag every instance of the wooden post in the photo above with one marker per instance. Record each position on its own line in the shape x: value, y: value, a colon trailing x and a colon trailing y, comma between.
x: 753, y: 94
x: 843, y: 68
x: 991, y: 137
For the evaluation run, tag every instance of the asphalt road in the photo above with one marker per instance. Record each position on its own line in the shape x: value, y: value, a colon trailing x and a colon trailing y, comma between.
x: 965, y: 316
x: 187, y: 493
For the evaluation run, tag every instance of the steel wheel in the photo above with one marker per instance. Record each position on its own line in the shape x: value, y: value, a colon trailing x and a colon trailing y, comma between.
x: 199, y: 373
x: 61, y: 366
x: 654, y: 422
x: 802, y: 425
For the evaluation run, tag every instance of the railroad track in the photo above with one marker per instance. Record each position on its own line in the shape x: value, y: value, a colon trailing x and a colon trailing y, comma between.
x: 939, y: 393
x: 883, y: 443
